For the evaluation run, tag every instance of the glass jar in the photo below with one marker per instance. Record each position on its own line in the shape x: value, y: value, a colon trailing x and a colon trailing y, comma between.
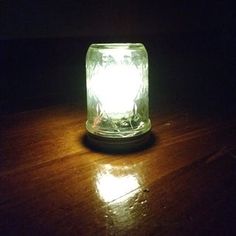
x: 117, y: 90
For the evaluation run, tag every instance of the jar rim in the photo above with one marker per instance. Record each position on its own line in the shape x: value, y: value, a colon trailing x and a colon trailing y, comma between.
x: 117, y: 45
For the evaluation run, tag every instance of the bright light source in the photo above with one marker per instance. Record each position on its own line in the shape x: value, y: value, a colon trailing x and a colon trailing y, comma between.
x: 125, y: 78
x: 117, y: 90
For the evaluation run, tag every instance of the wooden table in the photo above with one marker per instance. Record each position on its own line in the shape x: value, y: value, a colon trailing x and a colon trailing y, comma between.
x: 51, y: 183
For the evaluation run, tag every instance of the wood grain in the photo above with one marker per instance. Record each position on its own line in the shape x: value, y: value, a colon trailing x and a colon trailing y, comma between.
x: 53, y: 184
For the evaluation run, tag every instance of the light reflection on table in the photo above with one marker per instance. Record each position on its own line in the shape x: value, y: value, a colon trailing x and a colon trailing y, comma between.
x: 119, y: 187
x: 112, y: 185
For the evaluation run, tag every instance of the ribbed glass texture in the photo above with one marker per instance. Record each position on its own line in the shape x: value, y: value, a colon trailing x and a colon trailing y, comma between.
x: 117, y: 90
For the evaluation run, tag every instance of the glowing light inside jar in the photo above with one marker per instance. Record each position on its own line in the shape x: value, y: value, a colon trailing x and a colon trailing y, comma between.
x: 117, y: 90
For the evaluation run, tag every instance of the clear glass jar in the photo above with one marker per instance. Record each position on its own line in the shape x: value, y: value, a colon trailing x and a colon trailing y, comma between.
x: 117, y: 90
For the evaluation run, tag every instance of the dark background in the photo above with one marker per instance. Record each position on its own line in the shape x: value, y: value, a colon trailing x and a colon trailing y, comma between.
x: 191, y: 50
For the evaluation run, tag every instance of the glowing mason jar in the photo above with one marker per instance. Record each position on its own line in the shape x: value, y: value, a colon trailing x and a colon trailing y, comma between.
x: 117, y: 90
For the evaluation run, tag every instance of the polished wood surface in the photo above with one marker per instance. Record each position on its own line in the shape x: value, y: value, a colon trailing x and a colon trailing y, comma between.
x: 52, y: 183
